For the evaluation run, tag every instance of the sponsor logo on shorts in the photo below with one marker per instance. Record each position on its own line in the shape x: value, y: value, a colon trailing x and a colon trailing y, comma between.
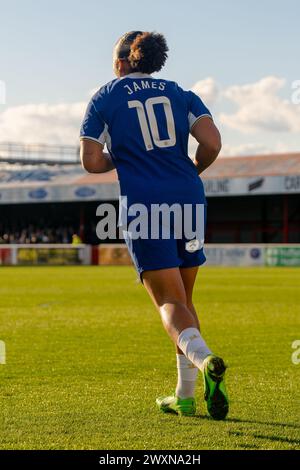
x: 193, y: 245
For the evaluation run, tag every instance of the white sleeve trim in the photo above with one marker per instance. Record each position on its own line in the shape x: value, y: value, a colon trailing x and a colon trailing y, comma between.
x: 193, y: 119
x: 86, y: 137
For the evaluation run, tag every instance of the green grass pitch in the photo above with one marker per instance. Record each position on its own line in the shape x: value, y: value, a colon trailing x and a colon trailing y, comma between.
x: 87, y: 356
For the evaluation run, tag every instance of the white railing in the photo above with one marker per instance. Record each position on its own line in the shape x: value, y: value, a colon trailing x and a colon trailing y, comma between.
x: 12, y: 152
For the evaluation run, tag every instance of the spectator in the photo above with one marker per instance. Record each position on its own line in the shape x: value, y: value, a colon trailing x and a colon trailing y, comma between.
x: 76, y: 240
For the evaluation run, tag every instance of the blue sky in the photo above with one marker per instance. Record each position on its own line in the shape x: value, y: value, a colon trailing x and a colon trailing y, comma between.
x: 53, y: 53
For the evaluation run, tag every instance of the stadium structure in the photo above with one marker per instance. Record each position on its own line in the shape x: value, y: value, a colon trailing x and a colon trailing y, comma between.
x: 253, y: 203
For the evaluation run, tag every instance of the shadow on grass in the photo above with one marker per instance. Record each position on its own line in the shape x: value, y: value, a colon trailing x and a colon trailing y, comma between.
x: 239, y: 433
x: 268, y: 437
x: 243, y: 421
x: 277, y: 439
x: 263, y: 423
x: 252, y: 421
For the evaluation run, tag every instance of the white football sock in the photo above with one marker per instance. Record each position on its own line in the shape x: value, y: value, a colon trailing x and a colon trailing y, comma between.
x: 187, y: 376
x: 193, y: 346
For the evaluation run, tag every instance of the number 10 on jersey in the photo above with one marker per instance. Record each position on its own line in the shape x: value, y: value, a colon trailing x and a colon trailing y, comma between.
x: 150, y: 132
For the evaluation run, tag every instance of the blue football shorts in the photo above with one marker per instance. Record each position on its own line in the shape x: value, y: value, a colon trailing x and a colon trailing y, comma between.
x: 152, y: 254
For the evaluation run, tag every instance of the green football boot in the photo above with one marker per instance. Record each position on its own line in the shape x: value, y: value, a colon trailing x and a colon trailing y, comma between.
x: 215, y: 392
x: 179, y: 406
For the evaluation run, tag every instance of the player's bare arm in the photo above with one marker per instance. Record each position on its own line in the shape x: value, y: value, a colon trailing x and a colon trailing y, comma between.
x: 93, y: 159
x: 209, y: 140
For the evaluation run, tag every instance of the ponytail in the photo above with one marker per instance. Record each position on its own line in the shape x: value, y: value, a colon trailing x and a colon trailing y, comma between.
x: 146, y: 52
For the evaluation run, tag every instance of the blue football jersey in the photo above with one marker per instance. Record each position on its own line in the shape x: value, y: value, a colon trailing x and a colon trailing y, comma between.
x: 145, y: 123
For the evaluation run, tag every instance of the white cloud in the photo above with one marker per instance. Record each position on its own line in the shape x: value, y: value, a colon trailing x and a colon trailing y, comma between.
x: 260, y: 108
x: 207, y: 89
x: 42, y: 123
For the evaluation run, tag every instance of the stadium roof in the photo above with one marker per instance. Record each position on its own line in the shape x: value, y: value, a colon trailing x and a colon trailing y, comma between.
x: 233, y: 167
x: 254, y: 175
x: 259, y: 165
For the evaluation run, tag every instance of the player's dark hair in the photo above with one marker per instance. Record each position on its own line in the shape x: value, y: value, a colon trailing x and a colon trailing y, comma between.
x: 146, y: 52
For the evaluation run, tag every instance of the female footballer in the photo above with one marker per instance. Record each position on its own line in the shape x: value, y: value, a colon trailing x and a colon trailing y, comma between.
x: 145, y: 123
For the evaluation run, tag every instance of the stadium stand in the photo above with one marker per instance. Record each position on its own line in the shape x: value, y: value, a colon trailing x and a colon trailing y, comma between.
x: 251, y: 199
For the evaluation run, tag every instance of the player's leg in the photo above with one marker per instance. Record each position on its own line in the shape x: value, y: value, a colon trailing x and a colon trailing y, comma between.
x: 167, y: 291
x: 188, y: 276
x: 214, y: 388
x: 166, y: 288
x: 187, y: 373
